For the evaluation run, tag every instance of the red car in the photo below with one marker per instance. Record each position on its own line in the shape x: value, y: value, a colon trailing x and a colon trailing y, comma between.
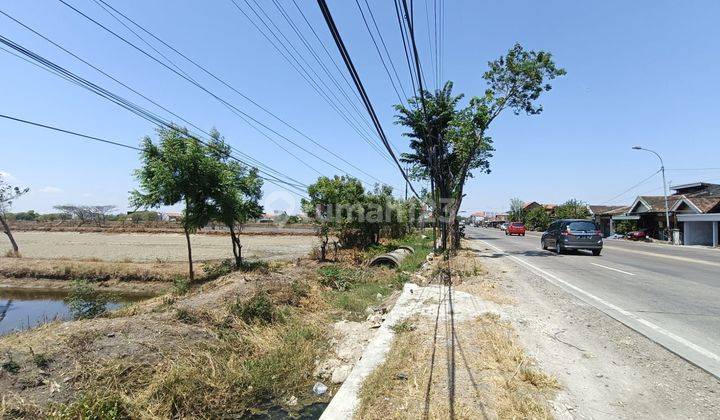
x: 515, y: 228
x: 637, y: 235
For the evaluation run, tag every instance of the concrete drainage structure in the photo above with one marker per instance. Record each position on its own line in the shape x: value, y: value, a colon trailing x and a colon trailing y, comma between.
x: 392, y: 258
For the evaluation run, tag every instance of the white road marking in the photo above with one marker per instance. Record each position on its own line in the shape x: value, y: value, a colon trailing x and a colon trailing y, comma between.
x: 660, y: 330
x: 613, y: 269
x: 672, y: 257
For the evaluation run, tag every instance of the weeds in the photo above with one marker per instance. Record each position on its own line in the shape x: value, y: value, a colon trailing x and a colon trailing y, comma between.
x: 185, y: 316
x: 11, y: 366
x: 403, y: 327
x: 258, y: 309
x: 40, y: 359
x: 181, y: 285
x: 214, y: 270
x: 93, y: 407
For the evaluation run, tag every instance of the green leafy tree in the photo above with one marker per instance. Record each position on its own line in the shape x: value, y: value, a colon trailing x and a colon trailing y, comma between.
x: 449, y: 142
x: 537, y: 219
x: 8, y: 194
x: 572, y: 209
x: 334, y: 205
x: 517, y: 210
x: 622, y: 227
x: 178, y: 169
x: 236, y: 194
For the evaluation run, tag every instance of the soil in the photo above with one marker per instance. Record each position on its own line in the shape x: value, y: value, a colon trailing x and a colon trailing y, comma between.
x: 606, y: 370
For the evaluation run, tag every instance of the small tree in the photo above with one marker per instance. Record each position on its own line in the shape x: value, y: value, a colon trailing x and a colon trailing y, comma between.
x: 572, y: 209
x: 334, y: 204
x: 537, y: 219
x: 517, y: 210
x: 178, y: 169
x: 8, y: 194
x: 236, y: 194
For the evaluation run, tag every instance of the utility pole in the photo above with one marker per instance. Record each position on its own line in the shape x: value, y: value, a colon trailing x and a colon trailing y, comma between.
x: 665, y: 192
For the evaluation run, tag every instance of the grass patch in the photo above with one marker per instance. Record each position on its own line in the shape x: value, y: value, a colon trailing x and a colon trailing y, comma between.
x: 353, y: 301
x: 181, y: 285
x: 93, y: 407
x: 258, y: 309
x: 404, y: 327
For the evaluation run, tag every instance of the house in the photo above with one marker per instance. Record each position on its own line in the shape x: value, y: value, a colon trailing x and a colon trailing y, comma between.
x: 693, y: 209
x: 603, y: 216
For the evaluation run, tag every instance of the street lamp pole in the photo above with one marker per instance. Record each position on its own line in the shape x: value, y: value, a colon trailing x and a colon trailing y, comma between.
x: 665, y: 193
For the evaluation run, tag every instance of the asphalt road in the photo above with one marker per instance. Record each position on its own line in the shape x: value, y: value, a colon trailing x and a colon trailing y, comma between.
x: 669, y: 294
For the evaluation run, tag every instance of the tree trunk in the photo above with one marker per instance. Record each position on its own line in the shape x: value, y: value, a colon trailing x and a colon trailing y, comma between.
x: 189, y: 248
x: 237, y: 247
x: 16, y: 250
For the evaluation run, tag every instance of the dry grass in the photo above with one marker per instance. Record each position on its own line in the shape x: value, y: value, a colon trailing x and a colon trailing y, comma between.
x: 493, y: 376
x: 149, y: 362
x: 93, y: 270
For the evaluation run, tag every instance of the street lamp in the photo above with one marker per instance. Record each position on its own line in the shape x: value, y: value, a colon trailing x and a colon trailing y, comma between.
x: 662, y: 169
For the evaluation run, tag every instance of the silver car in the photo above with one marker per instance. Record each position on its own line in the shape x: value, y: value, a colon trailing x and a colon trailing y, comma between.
x: 567, y: 234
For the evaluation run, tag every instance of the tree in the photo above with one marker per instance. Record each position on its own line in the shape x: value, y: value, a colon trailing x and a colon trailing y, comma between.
x: 517, y: 210
x: 178, y: 169
x: 8, y: 194
x: 537, y: 219
x: 448, y: 142
x: 572, y: 209
x: 334, y: 204
x: 236, y: 194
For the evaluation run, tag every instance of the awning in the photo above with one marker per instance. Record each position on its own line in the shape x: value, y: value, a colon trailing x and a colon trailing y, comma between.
x: 710, y: 217
x: 626, y: 217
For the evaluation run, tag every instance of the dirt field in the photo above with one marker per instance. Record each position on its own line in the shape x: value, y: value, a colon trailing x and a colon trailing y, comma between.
x: 143, y: 247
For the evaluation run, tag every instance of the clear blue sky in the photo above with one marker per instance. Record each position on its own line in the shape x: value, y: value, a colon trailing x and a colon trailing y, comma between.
x: 640, y: 72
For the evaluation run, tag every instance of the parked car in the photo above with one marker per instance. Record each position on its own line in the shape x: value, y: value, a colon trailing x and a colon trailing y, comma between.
x: 503, y: 226
x: 515, y: 228
x: 567, y: 234
x: 637, y: 235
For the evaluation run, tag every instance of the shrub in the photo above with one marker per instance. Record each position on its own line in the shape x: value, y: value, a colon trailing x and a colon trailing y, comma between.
x: 215, y: 270
x: 185, y: 316
x: 181, y: 285
x: 622, y: 227
x: 85, y: 301
x: 257, y: 309
x: 11, y: 366
x: 40, y: 359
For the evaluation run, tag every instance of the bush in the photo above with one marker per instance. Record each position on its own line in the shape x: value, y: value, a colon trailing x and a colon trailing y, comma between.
x: 185, y: 316
x: 85, y: 301
x: 258, y: 309
x: 181, y: 285
x: 215, y: 270
x: 622, y: 227
x: 336, y: 277
x: 11, y: 366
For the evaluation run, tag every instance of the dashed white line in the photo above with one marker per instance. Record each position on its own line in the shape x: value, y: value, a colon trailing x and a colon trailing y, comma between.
x: 613, y: 269
x: 602, y: 302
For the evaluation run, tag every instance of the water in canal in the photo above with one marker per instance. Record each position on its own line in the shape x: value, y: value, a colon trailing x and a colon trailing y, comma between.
x: 22, y: 309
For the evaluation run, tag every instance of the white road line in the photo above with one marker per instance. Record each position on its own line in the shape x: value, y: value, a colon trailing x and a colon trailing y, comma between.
x: 613, y: 269
x: 658, y: 329
x: 672, y: 257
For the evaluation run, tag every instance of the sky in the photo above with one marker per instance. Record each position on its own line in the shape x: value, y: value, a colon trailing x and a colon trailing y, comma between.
x: 642, y: 72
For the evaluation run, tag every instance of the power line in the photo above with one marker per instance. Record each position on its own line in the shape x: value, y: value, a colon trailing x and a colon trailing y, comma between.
x: 118, y: 100
x: 232, y: 88
x: 382, y: 60
x: 385, y: 48
x: 243, y: 115
x: 255, y: 161
x: 361, y: 89
x: 93, y: 138
x: 347, y: 116
x: 632, y: 188
x: 62, y: 130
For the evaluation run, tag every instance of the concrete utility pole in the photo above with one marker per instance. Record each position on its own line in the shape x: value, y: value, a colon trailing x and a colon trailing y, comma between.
x: 662, y: 169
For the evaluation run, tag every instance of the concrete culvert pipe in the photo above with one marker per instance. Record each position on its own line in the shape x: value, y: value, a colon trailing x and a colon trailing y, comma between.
x: 393, y: 258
